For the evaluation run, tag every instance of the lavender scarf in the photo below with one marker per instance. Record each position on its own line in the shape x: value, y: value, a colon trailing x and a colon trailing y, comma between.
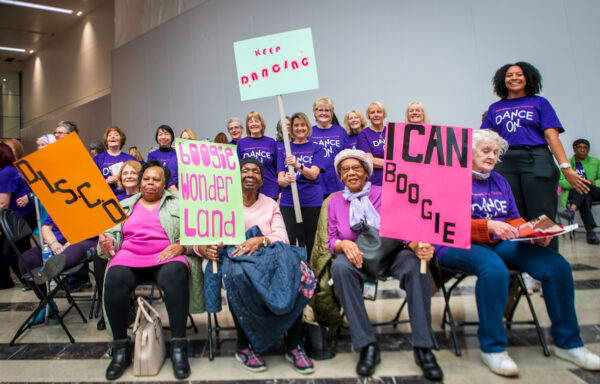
x: 361, y: 208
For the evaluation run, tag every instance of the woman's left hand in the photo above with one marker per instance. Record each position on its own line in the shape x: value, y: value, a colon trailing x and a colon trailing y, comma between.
x: 424, y: 251
x: 580, y: 184
x: 22, y: 201
x: 171, y: 251
x: 543, y: 241
x: 248, y: 247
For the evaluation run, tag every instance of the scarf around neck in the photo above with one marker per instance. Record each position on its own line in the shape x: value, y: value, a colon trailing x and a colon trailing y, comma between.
x: 361, y: 208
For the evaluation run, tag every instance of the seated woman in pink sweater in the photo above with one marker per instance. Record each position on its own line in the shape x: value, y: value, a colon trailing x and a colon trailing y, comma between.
x: 262, y: 211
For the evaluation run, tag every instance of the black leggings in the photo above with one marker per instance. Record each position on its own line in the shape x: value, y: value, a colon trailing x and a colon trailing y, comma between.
x: 304, y: 232
x: 292, y: 338
x: 172, y: 278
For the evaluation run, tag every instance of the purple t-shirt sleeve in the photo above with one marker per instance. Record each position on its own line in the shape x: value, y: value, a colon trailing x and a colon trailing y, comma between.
x: 12, y: 182
x: 173, y: 167
x: 549, y: 119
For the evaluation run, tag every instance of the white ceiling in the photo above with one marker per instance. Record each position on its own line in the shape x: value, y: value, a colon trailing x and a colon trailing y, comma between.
x: 30, y: 28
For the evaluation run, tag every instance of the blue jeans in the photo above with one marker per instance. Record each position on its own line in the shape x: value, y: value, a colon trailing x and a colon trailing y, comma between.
x: 490, y: 263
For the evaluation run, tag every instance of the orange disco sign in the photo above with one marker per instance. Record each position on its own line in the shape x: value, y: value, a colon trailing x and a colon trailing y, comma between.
x: 68, y: 183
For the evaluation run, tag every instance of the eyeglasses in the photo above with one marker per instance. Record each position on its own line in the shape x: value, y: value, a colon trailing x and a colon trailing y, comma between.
x: 582, y: 147
x: 355, y: 169
x: 59, y: 133
x: 323, y: 110
x: 234, y: 127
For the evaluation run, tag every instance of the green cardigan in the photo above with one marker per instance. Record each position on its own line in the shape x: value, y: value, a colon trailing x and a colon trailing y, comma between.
x: 169, y: 218
x: 591, y: 166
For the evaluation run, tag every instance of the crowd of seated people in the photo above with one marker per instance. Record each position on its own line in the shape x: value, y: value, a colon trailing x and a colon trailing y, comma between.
x: 338, y: 172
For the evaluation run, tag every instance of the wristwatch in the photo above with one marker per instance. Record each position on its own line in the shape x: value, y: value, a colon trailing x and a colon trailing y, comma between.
x: 564, y: 165
x: 264, y: 243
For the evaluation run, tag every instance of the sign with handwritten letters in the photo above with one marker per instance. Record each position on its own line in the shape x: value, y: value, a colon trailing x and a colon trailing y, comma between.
x: 276, y: 64
x: 70, y: 186
x: 427, y: 184
x: 211, y: 206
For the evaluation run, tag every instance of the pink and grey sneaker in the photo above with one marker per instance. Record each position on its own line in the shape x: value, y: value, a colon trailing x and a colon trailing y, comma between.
x: 251, y: 359
x: 302, y: 363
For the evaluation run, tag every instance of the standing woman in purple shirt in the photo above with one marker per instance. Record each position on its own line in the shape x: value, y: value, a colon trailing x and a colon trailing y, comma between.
x: 354, y: 123
x: 262, y: 148
x: 308, y: 159
x: 332, y: 138
x: 114, y: 140
x: 164, y: 138
x: 372, y: 140
x: 530, y: 125
x: 14, y: 195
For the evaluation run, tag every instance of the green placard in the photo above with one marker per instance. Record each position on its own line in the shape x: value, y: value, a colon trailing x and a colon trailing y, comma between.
x: 210, y: 190
x: 276, y: 64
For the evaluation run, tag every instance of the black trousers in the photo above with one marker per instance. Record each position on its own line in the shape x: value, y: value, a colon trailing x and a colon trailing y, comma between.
x: 305, y: 231
x: 533, y: 178
x: 171, y: 277
x: 584, y: 204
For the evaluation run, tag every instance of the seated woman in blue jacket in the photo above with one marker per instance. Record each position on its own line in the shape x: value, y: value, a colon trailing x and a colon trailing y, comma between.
x: 262, y: 211
x: 494, y: 221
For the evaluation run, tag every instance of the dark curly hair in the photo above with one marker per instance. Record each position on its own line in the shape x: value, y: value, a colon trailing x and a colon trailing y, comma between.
x: 533, y: 77
x: 154, y: 163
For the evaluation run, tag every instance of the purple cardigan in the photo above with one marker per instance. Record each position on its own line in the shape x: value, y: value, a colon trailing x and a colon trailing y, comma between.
x: 338, y: 213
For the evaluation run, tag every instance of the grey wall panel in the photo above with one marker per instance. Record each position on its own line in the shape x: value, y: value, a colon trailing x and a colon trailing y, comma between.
x: 438, y: 52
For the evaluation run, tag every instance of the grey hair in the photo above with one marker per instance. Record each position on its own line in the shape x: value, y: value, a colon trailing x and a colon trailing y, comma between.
x: 235, y: 119
x: 485, y: 134
x: 68, y: 125
x: 98, y: 146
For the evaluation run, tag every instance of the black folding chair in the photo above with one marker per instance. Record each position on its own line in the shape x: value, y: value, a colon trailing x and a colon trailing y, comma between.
x: 15, y: 229
x: 518, y: 290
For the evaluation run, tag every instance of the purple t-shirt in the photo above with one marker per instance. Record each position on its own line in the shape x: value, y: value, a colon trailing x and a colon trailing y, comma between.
x: 264, y: 149
x: 12, y: 182
x: 162, y: 156
x: 352, y: 142
x: 174, y: 168
x: 332, y: 140
x: 579, y: 169
x: 57, y: 233
x: 374, y: 143
x: 522, y: 121
x: 105, y: 160
x: 309, y: 191
x: 491, y: 199
x: 338, y: 213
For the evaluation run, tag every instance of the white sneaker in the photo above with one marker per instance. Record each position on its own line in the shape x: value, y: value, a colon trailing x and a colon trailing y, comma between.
x: 581, y: 356
x: 500, y: 363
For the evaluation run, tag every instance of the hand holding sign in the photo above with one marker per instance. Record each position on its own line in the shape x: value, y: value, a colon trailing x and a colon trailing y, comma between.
x: 106, y: 244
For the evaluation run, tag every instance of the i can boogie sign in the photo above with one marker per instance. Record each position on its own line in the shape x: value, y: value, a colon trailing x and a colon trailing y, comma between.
x: 427, y: 181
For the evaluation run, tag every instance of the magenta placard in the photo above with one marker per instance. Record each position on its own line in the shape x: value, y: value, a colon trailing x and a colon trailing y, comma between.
x: 427, y: 184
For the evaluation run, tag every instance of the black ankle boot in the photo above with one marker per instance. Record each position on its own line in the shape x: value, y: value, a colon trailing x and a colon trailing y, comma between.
x: 369, y: 358
x: 121, y: 358
x: 179, y: 357
x: 426, y: 360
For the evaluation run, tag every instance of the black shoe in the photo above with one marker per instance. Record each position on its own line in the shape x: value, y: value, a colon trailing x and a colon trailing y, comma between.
x: 121, y: 359
x: 179, y: 357
x: 52, y: 268
x: 369, y: 358
x: 426, y: 360
x: 101, y: 326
